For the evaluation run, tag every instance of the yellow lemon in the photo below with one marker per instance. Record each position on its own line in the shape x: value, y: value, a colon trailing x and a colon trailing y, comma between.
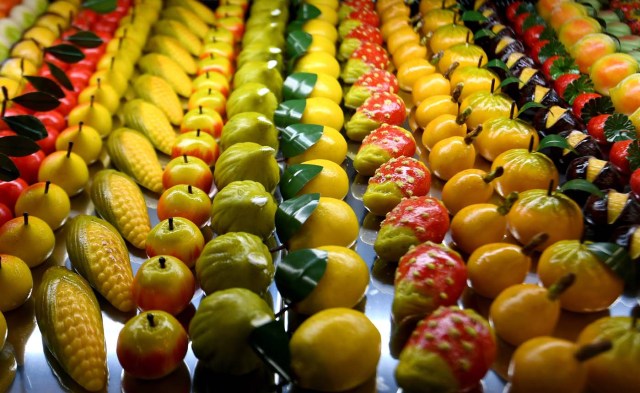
x: 3, y: 330
x: 343, y: 284
x: 327, y: 14
x: 320, y: 43
x: 323, y: 111
x: 327, y: 87
x: 331, y: 146
x: 332, y: 182
x: 16, y: 282
x: 318, y: 62
x: 335, y: 350
x: 321, y: 27
x: 332, y: 223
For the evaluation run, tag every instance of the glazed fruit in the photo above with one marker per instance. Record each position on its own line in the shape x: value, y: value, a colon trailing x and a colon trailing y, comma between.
x: 178, y: 237
x: 479, y: 224
x: 16, y: 280
x: 247, y: 161
x: 381, y: 145
x: 378, y: 109
x: 468, y: 187
x: 28, y: 238
x: 505, y: 133
x: 371, y: 82
x: 444, y: 126
x: 453, y: 155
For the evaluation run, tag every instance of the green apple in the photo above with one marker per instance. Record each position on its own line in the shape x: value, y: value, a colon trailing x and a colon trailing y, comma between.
x: 86, y: 140
x: 260, y: 72
x: 249, y: 127
x: 247, y: 161
x: 178, y: 237
x: 66, y: 169
x: 28, y: 238
x: 47, y: 201
x: 186, y: 201
x: 254, y: 97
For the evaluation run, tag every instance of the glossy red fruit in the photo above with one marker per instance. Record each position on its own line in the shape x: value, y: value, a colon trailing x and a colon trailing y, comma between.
x: 372, y: 54
x: 580, y: 101
x: 512, y: 10
x: 366, y: 32
x: 561, y: 83
x: 634, y: 182
x: 48, y: 143
x: 5, y: 214
x: 546, y: 66
x: 68, y: 102
x: 535, y: 49
x: 384, y: 108
x: 531, y: 36
x: 29, y: 165
x: 366, y: 16
x: 518, y: 21
x: 52, y: 119
x: 618, y: 156
x: 595, y: 128
x: 10, y: 191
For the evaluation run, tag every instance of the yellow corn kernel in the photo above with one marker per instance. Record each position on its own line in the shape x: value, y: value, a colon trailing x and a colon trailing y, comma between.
x: 169, y: 46
x: 159, y: 92
x: 168, y: 69
x: 152, y: 122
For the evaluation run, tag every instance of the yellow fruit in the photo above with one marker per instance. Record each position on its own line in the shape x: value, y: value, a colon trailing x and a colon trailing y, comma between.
x: 119, y: 201
x: 105, y: 95
x: 3, y: 330
x: 180, y: 32
x: 168, y: 69
x: 203, y: 12
x: 171, y: 47
x: 28, y: 50
x: 15, y: 68
x: 66, y: 169
x: 87, y: 142
x: 134, y: 155
x: 331, y: 146
x: 187, y: 18
x: 335, y: 350
x: 152, y: 122
x: 70, y: 320
x: 430, y: 85
x: 92, y: 114
x: 159, y: 92
x: 327, y: 87
x: 13, y: 86
x: 323, y: 111
x: 318, y: 62
x: 321, y: 27
x: 321, y: 43
x: 47, y: 201
x: 343, y: 284
x: 332, y: 182
x: 100, y: 255
x: 332, y: 223
x: 16, y: 283
x: 28, y: 238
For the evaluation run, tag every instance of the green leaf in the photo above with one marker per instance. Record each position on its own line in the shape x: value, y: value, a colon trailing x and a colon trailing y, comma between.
x: 554, y: 140
x: 532, y: 20
x: 299, y: 85
x: 529, y: 105
x: 508, y: 81
x: 60, y: 76
x: 618, y: 127
x: 297, y: 44
x: 26, y: 125
x: 582, y: 185
x: 45, y: 85
x: 295, y: 25
x: 473, y: 16
x: 297, y: 138
x: 17, y: 146
x: 100, y: 6
x: 563, y: 65
x: 577, y: 87
x: 8, y: 170
x: 299, y: 272
x: 295, y: 177
x: 595, y: 107
x: 289, y: 112
x: 307, y: 11
x: 525, y: 7
x: 291, y: 214
x: 85, y: 39
x: 37, y: 101
x: 633, y: 155
x: 497, y: 63
x: 552, y: 48
x: 65, y: 52
x: 617, y: 258
x: 271, y: 343
x: 484, y: 33
x: 548, y: 34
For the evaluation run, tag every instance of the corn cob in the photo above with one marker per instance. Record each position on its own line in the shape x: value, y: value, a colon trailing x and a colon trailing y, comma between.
x: 166, y: 68
x: 152, y: 122
x: 119, y: 201
x: 157, y: 91
x: 69, y: 318
x: 169, y: 46
x: 100, y: 255
x: 133, y: 154
x: 198, y: 8
x: 187, y: 18
x: 180, y: 32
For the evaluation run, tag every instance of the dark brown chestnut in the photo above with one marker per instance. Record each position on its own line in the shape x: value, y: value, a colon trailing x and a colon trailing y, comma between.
x: 556, y: 119
x: 604, y: 214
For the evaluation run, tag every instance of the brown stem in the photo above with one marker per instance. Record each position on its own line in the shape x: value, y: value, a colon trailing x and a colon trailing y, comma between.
x: 171, y: 223
x: 489, y: 177
x: 198, y: 132
x: 537, y: 240
x: 551, y: 188
x: 560, y: 286
x: 276, y: 249
x: 93, y: 98
x: 200, y: 108
x: 462, y: 117
x: 25, y: 216
x: 69, y: 148
x: 184, y: 157
x: 468, y: 139
x: 466, y: 39
x: 113, y: 59
x: 588, y: 351
x: 530, y: 148
x: 80, y: 125
x: 457, y: 92
x: 209, y: 92
x: 451, y: 69
x: 5, y: 95
x: 480, y: 61
x: 46, y: 186
x: 163, y: 262
x: 508, y: 203
x: 493, y: 85
x: 512, y: 111
x: 190, y: 189
x: 152, y: 322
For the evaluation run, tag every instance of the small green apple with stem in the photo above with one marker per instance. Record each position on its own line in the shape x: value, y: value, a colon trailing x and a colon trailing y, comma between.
x: 208, y: 98
x: 197, y: 144
x: 178, y: 237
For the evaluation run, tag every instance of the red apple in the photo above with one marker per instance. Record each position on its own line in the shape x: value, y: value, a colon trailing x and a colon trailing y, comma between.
x: 185, y: 201
x: 10, y: 191
x: 187, y: 170
x: 218, y: 64
x: 68, y: 102
x: 197, y: 144
x: 48, y: 143
x: 203, y: 119
x: 5, y: 214
x: 52, y: 119
x: 177, y: 237
x: 163, y: 283
x: 152, y: 345
x: 29, y: 165
x: 79, y: 75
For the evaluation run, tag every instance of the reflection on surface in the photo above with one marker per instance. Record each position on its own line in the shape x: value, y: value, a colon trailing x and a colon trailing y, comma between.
x: 178, y: 381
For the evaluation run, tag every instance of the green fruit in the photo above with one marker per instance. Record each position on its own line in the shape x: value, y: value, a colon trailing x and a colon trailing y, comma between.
x: 249, y: 127
x: 254, y: 97
x: 247, y: 161
x: 221, y: 327
x: 259, y: 52
x: 260, y: 72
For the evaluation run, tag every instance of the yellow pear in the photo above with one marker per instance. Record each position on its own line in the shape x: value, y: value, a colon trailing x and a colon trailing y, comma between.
x: 112, y: 78
x: 86, y: 139
x: 66, y: 169
x: 92, y: 114
x: 103, y: 94
x: 15, y: 68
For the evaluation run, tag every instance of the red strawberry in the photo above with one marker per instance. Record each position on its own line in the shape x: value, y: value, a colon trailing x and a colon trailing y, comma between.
x: 561, y: 83
x: 618, y: 156
x: 512, y: 10
x: 581, y: 100
x: 518, y: 21
x: 378, y: 109
x: 368, y: 56
x: 634, y: 182
x: 367, y: 16
x: 366, y: 33
x: 373, y: 81
x: 546, y: 66
x: 595, y: 128
x: 384, y: 143
x: 428, y: 276
x: 460, y: 339
x: 413, y: 221
x: 534, y: 50
x: 531, y: 36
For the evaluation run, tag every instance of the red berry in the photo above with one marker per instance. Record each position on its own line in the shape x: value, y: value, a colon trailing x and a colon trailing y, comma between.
x: 634, y: 182
x: 561, y: 83
x: 531, y: 36
x: 546, y: 66
x: 595, y: 128
x: 618, y: 156
x: 581, y: 100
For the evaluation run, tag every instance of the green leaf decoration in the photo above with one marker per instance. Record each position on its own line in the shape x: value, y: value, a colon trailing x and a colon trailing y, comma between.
x: 85, y: 39
x: 554, y: 140
x: 299, y: 85
x: 563, y: 65
x: 617, y: 258
x: 37, y: 101
x: 291, y: 214
x: 307, y: 11
x: 577, y: 87
x: 297, y: 44
x: 582, y: 185
x: 295, y: 25
x: 525, y: 7
x: 497, y: 63
x: 100, y: 6
x: 289, y: 112
x: 553, y: 47
x: 26, y: 125
x: 473, y: 16
x: 529, y: 105
x: 8, y: 170
x: 295, y: 177
x: 482, y: 33
x: 17, y: 146
x: 508, y: 81
x: 271, y: 343
x: 618, y: 127
x: 297, y: 138
x: 548, y: 34
x: 633, y: 155
x: 532, y: 20
x: 60, y: 76
x: 595, y: 107
x: 45, y: 85
x: 299, y: 272
x: 65, y: 52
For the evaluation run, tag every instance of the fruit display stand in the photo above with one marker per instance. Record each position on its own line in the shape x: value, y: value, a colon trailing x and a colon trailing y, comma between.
x: 35, y: 367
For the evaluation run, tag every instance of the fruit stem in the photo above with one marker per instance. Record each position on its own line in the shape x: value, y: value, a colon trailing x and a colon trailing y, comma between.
x: 560, y: 286
x: 276, y: 249
x: 588, y: 351
x: 46, y: 186
x: 503, y: 209
x: 184, y: 157
x: 120, y: 42
x: 98, y: 81
x: 512, y: 111
x: 200, y: 108
x: 452, y: 67
x: 190, y: 189
x: 171, y: 223
x: 69, y: 149
x: 530, y: 148
x: 457, y: 92
x: 93, y: 98
x: 25, y: 216
x: 209, y: 92
x: 466, y: 39
x: 163, y: 262
x: 152, y: 322
x: 5, y: 95
x: 480, y: 61
x: 282, y: 311
x: 436, y: 57
x: 493, y: 85
x: 80, y: 125
x: 113, y: 58
x: 198, y: 132
x: 468, y: 139
x: 550, y: 189
x: 537, y: 240
x: 462, y: 117
x: 489, y: 177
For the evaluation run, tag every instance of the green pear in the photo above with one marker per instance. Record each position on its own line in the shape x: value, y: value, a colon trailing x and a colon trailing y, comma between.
x: 249, y: 127
x: 247, y: 161
x: 261, y: 72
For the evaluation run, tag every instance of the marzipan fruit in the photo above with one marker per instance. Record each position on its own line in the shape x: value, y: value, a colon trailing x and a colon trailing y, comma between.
x: 247, y: 161
x: 168, y: 69
x: 169, y: 46
x: 159, y: 92
x: 134, y: 155
x: 151, y: 121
